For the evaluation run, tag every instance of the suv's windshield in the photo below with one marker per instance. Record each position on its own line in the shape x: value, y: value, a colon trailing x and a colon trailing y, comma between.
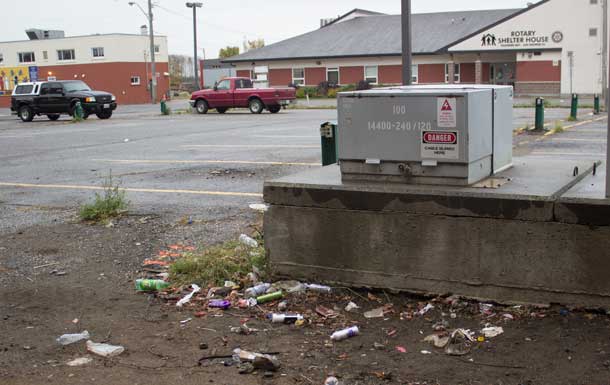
x: 76, y: 86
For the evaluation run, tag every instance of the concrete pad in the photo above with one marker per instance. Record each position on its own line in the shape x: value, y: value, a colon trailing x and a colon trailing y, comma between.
x: 532, y: 186
x: 521, y: 242
x: 586, y: 203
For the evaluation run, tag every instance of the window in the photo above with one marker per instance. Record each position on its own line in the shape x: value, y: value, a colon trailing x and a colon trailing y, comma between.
x: 592, y: 32
x: 97, y: 51
x: 243, y: 83
x: 22, y: 90
x: 65, y: 54
x: 157, y: 49
x: 45, y: 55
x: 415, y: 74
x: 224, y: 85
x: 51, y: 89
x: 1, y: 58
x: 370, y: 74
x: 298, y: 76
x: 76, y: 86
x: 332, y: 75
x: 135, y: 80
x: 26, y: 57
x: 456, y: 74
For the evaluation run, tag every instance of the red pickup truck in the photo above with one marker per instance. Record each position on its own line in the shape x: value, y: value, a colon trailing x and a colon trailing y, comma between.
x: 240, y: 93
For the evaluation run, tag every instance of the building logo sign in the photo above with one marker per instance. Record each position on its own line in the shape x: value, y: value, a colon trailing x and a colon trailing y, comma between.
x: 557, y: 37
x: 518, y: 39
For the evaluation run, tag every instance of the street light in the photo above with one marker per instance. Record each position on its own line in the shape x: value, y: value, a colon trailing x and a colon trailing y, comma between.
x: 195, y: 6
x: 149, y: 17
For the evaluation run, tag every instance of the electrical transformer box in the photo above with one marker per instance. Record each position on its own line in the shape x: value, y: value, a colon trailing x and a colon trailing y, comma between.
x: 448, y: 135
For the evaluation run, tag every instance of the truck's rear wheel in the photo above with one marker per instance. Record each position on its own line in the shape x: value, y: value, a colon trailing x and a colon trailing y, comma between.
x: 26, y: 114
x: 202, y: 107
x: 256, y: 106
x: 53, y: 117
x: 275, y: 109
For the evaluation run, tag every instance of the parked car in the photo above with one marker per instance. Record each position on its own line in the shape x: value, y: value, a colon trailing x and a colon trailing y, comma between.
x: 54, y: 98
x: 240, y: 93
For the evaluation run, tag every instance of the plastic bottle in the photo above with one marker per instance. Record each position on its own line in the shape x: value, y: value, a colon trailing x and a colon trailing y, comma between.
x: 246, y: 240
x: 219, y: 303
x: 257, y: 290
x: 68, y: 339
x: 345, y: 333
x: 269, y: 297
x: 318, y: 288
x: 284, y: 318
x: 151, y: 284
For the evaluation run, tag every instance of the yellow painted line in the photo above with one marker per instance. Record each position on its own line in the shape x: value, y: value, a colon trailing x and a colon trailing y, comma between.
x: 287, y: 136
x: 567, y: 153
x: 590, y: 140
x: 249, y: 146
x: 142, y: 161
x: 129, y: 189
x: 552, y: 132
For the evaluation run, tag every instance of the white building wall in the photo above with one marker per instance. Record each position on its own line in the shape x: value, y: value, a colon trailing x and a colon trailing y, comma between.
x: 117, y: 48
x: 573, y: 19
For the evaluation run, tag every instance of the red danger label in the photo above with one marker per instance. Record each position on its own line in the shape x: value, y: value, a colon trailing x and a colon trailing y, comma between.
x: 440, y: 137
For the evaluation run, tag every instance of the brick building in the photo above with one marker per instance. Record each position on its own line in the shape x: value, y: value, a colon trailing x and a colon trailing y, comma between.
x: 117, y: 63
x: 549, y: 48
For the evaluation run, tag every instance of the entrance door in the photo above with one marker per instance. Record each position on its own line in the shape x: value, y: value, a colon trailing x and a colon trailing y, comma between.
x: 502, y: 74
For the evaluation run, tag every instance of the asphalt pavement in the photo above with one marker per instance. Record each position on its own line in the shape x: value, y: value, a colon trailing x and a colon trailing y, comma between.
x: 189, y: 164
x: 178, y: 164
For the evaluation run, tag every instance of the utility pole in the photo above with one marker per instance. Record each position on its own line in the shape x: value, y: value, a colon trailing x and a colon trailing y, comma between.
x: 153, y: 83
x: 407, y: 48
x: 605, y: 52
x: 149, y: 17
x: 607, y: 89
x: 195, y: 6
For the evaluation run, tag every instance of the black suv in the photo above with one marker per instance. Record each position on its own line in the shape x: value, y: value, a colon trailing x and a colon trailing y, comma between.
x: 54, y: 98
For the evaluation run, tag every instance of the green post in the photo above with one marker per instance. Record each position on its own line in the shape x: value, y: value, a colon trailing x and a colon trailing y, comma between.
x: 163, y: 107
x: 574, y: 108
x: 328, y: 134
x: 596, y: 105
x: 78, y: 111
x: 539, y: 125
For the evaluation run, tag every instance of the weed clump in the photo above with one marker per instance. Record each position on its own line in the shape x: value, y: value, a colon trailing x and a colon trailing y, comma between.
x: 109, y: 204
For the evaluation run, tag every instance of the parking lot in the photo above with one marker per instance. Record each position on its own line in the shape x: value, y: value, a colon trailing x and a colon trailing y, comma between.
x: 179, y: 164
x: 190, y: 179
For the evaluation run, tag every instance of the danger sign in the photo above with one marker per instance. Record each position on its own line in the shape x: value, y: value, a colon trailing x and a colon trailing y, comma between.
x: 440, y: 137
x: 440, y: 145
x: 446, y: 112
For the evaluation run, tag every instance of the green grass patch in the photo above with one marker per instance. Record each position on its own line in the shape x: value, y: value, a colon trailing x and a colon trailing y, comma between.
x: 571, y: 119
x: 106, y: 205
x: 231, y: 261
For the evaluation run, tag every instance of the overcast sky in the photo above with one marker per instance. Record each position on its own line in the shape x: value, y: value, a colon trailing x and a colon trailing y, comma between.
x: 220, y: 22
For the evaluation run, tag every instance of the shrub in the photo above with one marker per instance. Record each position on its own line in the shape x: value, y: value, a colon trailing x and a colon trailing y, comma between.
x: 348, y: 87
x: 300, y: 94
x: 332, y: 93
x: 323, y: 88
x: 363, y: 85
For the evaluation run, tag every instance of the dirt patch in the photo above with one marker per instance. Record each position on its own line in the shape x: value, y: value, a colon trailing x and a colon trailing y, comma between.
x: 539, y: 346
